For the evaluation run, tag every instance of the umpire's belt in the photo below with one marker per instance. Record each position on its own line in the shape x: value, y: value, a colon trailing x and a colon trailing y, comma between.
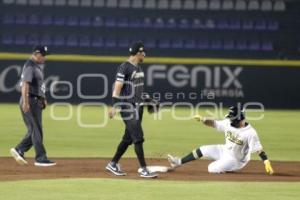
x: 36, y: 96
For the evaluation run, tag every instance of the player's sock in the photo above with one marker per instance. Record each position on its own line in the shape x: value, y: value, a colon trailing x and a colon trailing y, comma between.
x: 120, y: 151
x: 192, y: 156
x: 138, y: 147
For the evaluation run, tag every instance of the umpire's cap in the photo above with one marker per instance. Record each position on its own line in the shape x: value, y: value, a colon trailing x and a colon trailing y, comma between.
x: 41, y: 49
x: 236, y: 113
x: 136, y: 47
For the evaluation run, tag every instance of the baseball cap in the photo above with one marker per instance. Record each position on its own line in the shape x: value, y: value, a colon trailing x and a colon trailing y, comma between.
x: 136, y: 47
x: 41, y: 49
x: 236, y: 113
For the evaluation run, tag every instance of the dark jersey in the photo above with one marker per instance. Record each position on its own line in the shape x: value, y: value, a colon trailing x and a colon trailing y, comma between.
x: 133, y: 79
x: 33, y: 73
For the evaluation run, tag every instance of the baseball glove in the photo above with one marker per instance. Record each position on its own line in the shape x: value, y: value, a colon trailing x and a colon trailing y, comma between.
x: 153, y: 105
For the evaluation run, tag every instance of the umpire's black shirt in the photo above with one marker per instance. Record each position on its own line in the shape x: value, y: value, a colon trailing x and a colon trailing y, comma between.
x: 133, y: 82
x: 33, y: 73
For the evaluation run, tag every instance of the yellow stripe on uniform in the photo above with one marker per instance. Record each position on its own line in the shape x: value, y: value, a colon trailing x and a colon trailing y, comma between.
x: 158, y: 60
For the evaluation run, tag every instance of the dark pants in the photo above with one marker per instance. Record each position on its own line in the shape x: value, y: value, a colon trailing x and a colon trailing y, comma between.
x: 132, y: 117
x: 34, y: 135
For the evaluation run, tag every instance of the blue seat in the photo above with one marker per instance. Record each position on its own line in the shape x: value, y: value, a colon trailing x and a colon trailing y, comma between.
x: 123, y: 23
x: 164, y: 43
x: 20, y: 40
x: 59, y: 20
x: 123, y: 42
x: 59, y: 40
x: 33, y: 19
x: 248, y: 25
x: 33, y: 40
x: 84, y: 41
x: 222, y: 24
x: 197, y: 24
x: 97, y: 42
x: 135, y: 23
x: 267, y: 46
x: 171, y: 23
x: 147, y: 23
x: 46, y: 40
x: 110, y: 42
x: 184, y: 24
x: 72, y: 21
x: 177, y: 44
x: 110, y: 22
x: 260, y: 25
x: 97, y: 21
x: 159, y: 23
x: 235, y: 24
x: 8, y: 19
x: 72, y: 41
x: 216, y: 45
x: 7, y: 39
x: 47, y: 20
x: 241, y: 45
x: 84, y: 21
x: 254, y: 45
x: 150, y: 43
x: 190, y: 44
x: 273, y: 25
x: 228, y: 44
x: 21, y: 19
x: 203, y: 44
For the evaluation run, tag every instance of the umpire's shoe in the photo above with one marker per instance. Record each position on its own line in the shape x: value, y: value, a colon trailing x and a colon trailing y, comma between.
x: 44, y: 163
x: 146, y: 174
x: 115, y: 169
x: 18, y: 156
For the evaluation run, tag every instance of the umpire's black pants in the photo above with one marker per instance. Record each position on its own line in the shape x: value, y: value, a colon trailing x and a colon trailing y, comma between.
x: 34, y: 135
x: 132, y: 116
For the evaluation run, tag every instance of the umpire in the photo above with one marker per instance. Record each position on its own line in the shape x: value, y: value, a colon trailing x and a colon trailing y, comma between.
x: 32, y: 103
x: 127, y: 93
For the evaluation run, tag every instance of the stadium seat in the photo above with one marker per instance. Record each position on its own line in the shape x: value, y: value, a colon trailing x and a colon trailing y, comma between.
x: 135, y: 23
x: 240, y: 5
x: 190, y: 44
x: 260, y: 25
x: 201, y: 5
x: 209, y: 24
x: 60, y: 3
x: 150, y: 43
x: 266, y: 5
x: 21, y: 2
x: 279, y: 5
x: 59, y: 20
x: 73, y: 3
x: 124, y: 4
x: 110, y: 22
x: 214, y: 5
x: 163, y: 4
x: 72, y: 41
x: 267, y: 46
x: 86, y: 3
x: 150, y: 4
x: 7, y: 39
x: 21, y: 19
x: 58, y: 40
x: 34, y: 2
x: 47, y: 20
x: 197, y: 24
x: 177, y: 44
x: 254, y: 46
x: 137, y: 4
x: 189, y: 5
x: 248, y: 25
x: 33, y: 40
x: 47, y: 2
x: 112, y: 3
x: 97, y: 21
x: 8, y: 1
x: 227, y: 5
x: 8, y: 19
x: 228, y: 44
x: 241, y: 45
x: 97, y: 42
x: 216, y: 45
x: 72, y: 21
x: 235, y: 24
x: 184, y: 24
x: 159, y: 23
x: 147, y: 22
x: 273, y: 25
x: 171, y: 23
x: 84, y: 41
x: 110, y: 42
x: 33, y: 19
x: 222, y: 24
x: 123, y: 42
x: 85, y: 21
x: 98, y: 3
x: 20, y: 40
x: 46, y: 40
x: 175, y: 4
x: 253, y: 5
x: 122, y: 22
x: 164, y: 43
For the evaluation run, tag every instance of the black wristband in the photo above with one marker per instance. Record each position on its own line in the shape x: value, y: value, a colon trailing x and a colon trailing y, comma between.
x: 263, y: 156
x: 114, y: 101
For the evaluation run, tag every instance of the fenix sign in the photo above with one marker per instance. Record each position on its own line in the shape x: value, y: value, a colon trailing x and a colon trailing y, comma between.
x: 197, y: 76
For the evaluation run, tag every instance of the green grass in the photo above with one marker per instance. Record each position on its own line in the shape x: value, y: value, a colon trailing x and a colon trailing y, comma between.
x: 279, y: 133
x: 72, y: 189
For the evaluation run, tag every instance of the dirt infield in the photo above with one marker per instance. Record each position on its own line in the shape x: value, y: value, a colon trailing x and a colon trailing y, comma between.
x: 94, y: 168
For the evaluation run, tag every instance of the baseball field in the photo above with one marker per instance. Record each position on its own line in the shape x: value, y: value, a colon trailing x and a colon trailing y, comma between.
x: 82, y: 151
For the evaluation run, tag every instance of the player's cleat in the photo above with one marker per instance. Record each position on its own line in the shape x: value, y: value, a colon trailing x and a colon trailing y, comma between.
x: 18, y: 157
x: 115, y: 169
x: 146, y: 174
x: 174, y: 161
x: 44, y: 163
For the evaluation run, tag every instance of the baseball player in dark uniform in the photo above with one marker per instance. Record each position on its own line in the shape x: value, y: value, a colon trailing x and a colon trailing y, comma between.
x: 32, y: 103
x: 128, y: 95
